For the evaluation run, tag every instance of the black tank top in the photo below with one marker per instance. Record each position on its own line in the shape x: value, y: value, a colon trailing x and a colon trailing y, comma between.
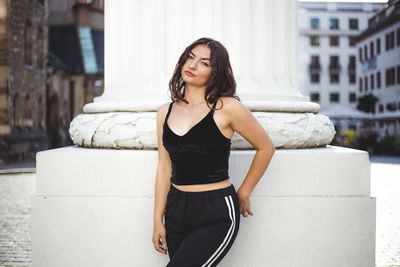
x: 201, y: 155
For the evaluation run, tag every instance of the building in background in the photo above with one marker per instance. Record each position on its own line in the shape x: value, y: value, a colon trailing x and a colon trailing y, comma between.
x: 51, y: 64
x: 23, y: 49
x: 75, y: 63
x: 327, y: 58
x: 378, y: 69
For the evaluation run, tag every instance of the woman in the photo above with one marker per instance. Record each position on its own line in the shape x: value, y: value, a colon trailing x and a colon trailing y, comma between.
x: 201, y: 206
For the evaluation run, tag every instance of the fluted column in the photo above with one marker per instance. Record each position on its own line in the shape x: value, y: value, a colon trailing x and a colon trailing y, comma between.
x: 143, y: 41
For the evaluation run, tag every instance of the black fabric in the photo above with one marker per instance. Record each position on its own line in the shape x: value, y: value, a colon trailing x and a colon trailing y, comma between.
x: 201, y: 226
x: 201, y: 155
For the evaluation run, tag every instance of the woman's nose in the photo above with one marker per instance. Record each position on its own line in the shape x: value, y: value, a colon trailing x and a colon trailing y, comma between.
x: 192, y: 65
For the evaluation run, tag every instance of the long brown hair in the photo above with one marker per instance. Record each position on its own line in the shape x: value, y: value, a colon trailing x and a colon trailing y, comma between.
x: 221, y: 82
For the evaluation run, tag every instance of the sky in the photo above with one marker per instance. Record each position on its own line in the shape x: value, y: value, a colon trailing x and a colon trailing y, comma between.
x: 358, y: 1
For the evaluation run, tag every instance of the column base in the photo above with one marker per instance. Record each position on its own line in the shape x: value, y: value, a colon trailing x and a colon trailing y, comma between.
x: 94, y: 207
x: 137, y: 130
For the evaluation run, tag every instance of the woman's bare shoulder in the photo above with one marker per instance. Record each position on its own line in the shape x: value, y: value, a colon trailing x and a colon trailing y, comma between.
x: 229, y: 103
x: 163, y: 109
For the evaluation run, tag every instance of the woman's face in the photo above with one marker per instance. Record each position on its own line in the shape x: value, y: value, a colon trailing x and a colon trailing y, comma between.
x: 197, y: 68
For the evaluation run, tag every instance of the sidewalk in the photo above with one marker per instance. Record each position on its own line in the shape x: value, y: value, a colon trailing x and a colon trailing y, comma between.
x: 20, y: 167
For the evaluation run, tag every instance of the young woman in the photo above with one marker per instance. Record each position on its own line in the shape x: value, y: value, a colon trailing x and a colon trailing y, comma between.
x: 192, y: 189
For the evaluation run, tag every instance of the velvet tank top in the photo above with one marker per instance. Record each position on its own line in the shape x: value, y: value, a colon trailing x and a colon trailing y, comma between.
x: 201, y: 155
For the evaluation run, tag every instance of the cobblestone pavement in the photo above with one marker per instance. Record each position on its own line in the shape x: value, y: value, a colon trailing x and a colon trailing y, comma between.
x: 385, y: 186
x: 17, y: 189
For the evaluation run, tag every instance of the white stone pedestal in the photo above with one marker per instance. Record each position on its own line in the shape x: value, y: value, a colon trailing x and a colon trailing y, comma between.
x: 94, y: 207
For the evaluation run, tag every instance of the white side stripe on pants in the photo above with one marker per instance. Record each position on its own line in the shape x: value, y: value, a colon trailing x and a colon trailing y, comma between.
x: 228, y: 236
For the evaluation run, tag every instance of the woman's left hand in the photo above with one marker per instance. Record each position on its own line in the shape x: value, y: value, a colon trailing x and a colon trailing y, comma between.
x: 244, y: 203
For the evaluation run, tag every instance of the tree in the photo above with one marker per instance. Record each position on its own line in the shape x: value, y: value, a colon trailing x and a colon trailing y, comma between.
x: 367, y: 103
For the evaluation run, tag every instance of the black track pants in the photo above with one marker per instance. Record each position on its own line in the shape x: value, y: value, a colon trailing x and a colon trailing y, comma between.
x: 201, y: 226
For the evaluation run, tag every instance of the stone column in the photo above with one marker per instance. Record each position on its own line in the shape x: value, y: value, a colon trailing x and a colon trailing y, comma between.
x: 143, y: 41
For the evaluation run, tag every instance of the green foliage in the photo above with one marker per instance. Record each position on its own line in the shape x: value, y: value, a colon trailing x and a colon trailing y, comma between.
x: 389, y: 144
x: 350, y: 135
x: 367, y: 103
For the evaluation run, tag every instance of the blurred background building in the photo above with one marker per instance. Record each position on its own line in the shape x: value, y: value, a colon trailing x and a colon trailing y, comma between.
x: 23, y: 49
x: 379, y: 69
x: 51, y: 64
x: 75, y: 62
x: 328, y: 58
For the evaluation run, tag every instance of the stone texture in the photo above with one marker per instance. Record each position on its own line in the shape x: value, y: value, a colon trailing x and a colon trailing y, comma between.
x: 137, y: 130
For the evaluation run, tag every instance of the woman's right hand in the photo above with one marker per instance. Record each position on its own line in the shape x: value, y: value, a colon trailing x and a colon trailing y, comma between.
x: 159, y: 238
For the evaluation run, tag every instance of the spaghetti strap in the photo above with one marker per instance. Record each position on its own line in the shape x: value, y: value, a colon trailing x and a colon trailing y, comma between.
x: 169, y: 111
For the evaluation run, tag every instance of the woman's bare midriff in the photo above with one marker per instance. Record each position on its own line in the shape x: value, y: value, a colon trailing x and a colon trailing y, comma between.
x: 203, y: 187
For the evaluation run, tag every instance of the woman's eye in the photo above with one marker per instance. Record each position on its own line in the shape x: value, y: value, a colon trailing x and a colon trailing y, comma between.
x: 205, y: 64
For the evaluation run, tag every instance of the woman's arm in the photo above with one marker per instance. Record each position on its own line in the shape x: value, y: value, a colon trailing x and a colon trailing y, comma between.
x: 244, y: 122
x: 162, y: 185
x: 162, y: 182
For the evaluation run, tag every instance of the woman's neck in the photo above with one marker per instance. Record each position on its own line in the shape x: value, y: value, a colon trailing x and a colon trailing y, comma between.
x: 194, y: 95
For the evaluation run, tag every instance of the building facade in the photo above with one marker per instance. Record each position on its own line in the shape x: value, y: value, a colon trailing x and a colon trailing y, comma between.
x: 327, y: 58
x: 23, y: 49
x: 75, y: 66
x: 379, y: 68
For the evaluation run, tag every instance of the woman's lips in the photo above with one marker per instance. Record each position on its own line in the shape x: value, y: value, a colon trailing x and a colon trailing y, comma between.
x: 188, y: 73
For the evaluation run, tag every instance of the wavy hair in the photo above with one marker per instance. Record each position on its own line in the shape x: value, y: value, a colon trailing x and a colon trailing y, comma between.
x: 221, y: 82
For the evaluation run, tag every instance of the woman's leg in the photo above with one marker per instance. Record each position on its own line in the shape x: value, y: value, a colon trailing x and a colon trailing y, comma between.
x: 212, y: 220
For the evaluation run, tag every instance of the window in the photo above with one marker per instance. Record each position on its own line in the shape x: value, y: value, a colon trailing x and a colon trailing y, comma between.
x: 365, y: 52
x: 352, y: 78
x: 392, y: 106
x: 334, y: 23
x: 314, y: 97
x: 398, y: 74
x: 372, y: 80
x: 352, y: 69
x: 353, y: 24
x: 314, y: 77
x: 314, y: 61
x: 352, y: 97
x: 371, y: 49
x: 334, y: 78
x: 352, y: 62
x: 390, y: 77
x: 387, y: 36
x: 380, y: 108
x: 360, y: 85
x: 314, y: 40
x: 334, y: 40
x: 334, y: 60
x: 378, y: 79
x: 334, y: 97
x: 389, y: 40
x: 392, y: 38
x: 366, y: 83
x: 398, y: 36
x: 334, y: 65
x: 314, y: 23
x: 378, y: 46
x: 360, y: 56
x: 352, y: 41
x: 314, y: 69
